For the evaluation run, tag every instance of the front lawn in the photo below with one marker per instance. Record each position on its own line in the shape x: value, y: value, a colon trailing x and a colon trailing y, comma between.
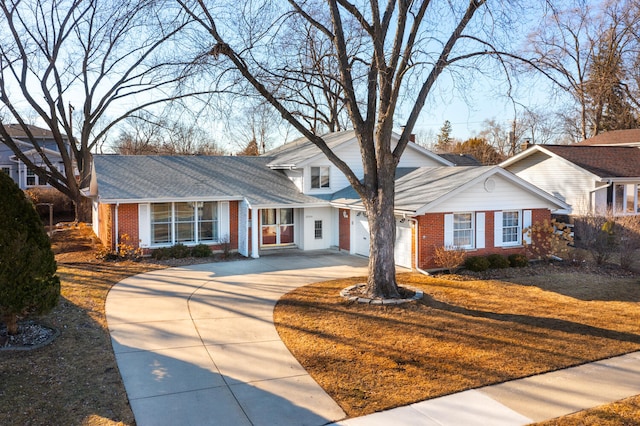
x: 465, y: 333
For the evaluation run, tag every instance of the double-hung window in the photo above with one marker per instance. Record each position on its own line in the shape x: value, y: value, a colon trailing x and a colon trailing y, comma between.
x: 184, y: 222
x: 463, y: 230
x: 320, y: 177
x: 511, y: 228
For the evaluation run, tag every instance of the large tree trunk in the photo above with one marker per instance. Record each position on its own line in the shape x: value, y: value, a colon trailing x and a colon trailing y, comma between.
x: 11, y: 321
x: 382, y: 230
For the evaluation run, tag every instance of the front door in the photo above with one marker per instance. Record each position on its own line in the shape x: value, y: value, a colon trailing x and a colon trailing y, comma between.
x: 276, y: 227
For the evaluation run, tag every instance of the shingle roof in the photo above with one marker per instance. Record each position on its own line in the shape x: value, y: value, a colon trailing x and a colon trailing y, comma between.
x: 146, y: 178
x: 614, y: 137
x: 461, y: 159
x: 301, y: 149
x: 602, y: 161
x: 17, y: 131
x: 421, y: 186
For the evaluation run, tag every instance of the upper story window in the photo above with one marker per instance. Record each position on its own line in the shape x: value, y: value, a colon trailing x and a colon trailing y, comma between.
x: 6, y: 170
x: 511, y: 228
x: 463, y: 230
x: 320, y: 177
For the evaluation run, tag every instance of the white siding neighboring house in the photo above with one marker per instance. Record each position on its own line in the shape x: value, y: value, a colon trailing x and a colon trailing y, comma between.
x: 588, y: 178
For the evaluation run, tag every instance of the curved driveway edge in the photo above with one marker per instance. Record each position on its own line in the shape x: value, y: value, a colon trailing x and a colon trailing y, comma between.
x: 197, y: 345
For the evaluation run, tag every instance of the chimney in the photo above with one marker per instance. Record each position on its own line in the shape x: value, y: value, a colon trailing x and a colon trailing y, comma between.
x: 412, y: 136
x: 526, y: 145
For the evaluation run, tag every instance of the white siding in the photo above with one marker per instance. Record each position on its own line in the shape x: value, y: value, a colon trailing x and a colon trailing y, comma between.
x: 350, y: 154
x: 309, y: 241
x: 558, y: 179
x: 505, y: 196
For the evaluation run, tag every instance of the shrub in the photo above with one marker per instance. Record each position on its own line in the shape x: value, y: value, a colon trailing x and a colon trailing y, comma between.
x: 180, y: 251
x: 627, y: 233
x: 450, y: 258
x: 549, y: 238
x: 201, y: 250
x: 476, y: 263
x: 594, y: 233
x: 28, y: 284
x: 161, y: 253
x: 518, y: 260
x: 125, y: 251
x: 497, y: 261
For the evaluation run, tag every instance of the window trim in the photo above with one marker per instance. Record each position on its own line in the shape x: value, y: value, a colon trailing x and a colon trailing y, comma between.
x: 518, y: 228
x: 320, y: 177
x: 472, y: 230
x: 173, y: 223
x: 620, y: 207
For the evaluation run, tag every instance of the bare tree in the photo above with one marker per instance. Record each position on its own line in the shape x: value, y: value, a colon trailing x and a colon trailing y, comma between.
x: 145, y: 134
x: 398, y: 43
x: 107, y: 58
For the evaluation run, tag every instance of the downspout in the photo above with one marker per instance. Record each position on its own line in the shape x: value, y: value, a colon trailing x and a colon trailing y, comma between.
x: 417, y: 245
x: 117, y: 229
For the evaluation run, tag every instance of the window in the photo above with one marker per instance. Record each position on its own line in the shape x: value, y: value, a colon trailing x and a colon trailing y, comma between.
x: 319, y: 177
x: 511, y: 228
x: 317, y: 229
x: 6, y: 170
x: 463, y: 230
x: 626, y: 198
x: 33, y: 179
x: 208, y: 221
x: 184, y: 222
x: 161, y: 223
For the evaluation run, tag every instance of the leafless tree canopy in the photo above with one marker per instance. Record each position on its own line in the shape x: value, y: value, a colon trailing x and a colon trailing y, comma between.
x: 81, y: 66
x: 361, y: 57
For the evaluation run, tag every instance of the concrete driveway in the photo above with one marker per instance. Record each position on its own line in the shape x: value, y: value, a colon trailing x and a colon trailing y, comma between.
x: 197, y: 345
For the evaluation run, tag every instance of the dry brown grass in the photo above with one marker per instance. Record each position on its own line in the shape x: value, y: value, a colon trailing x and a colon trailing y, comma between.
x: 75, y: 379
x: 463, y: 334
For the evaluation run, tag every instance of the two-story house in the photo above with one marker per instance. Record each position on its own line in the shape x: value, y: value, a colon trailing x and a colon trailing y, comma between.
x: 294, y: 196
x: 11, y: 164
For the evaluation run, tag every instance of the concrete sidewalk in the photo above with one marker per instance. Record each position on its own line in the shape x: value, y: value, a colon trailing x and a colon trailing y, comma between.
x: 197, y: 346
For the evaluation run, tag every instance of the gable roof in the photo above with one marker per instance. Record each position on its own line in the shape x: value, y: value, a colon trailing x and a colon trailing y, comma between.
x: 17, y: 131
x: 604, y: 162
x: 145, y: 178
x: 424, y: 188
x: 628, y: 137
x: 300, y: 151
x: 461, y: 159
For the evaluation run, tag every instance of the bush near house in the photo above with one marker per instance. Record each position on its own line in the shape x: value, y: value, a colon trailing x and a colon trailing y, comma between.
x: 498, y: 261
x: 518, y: 260
x: 449, y: 258
x: 477, y: 263
x: 28, y: 284
x: 549, y: 238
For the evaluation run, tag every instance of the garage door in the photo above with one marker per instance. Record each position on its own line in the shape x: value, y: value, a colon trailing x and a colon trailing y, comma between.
x: 402, y: 253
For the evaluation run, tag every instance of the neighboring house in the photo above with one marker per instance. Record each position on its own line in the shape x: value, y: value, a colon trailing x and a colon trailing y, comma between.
x: 629, y: 137
x: 461, y: 159
x: 589, y: 178
x: 10, y: 164
x: 293, y: 196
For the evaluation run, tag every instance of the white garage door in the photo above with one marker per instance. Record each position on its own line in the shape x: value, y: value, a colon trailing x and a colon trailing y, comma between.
x: 402, y: 253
